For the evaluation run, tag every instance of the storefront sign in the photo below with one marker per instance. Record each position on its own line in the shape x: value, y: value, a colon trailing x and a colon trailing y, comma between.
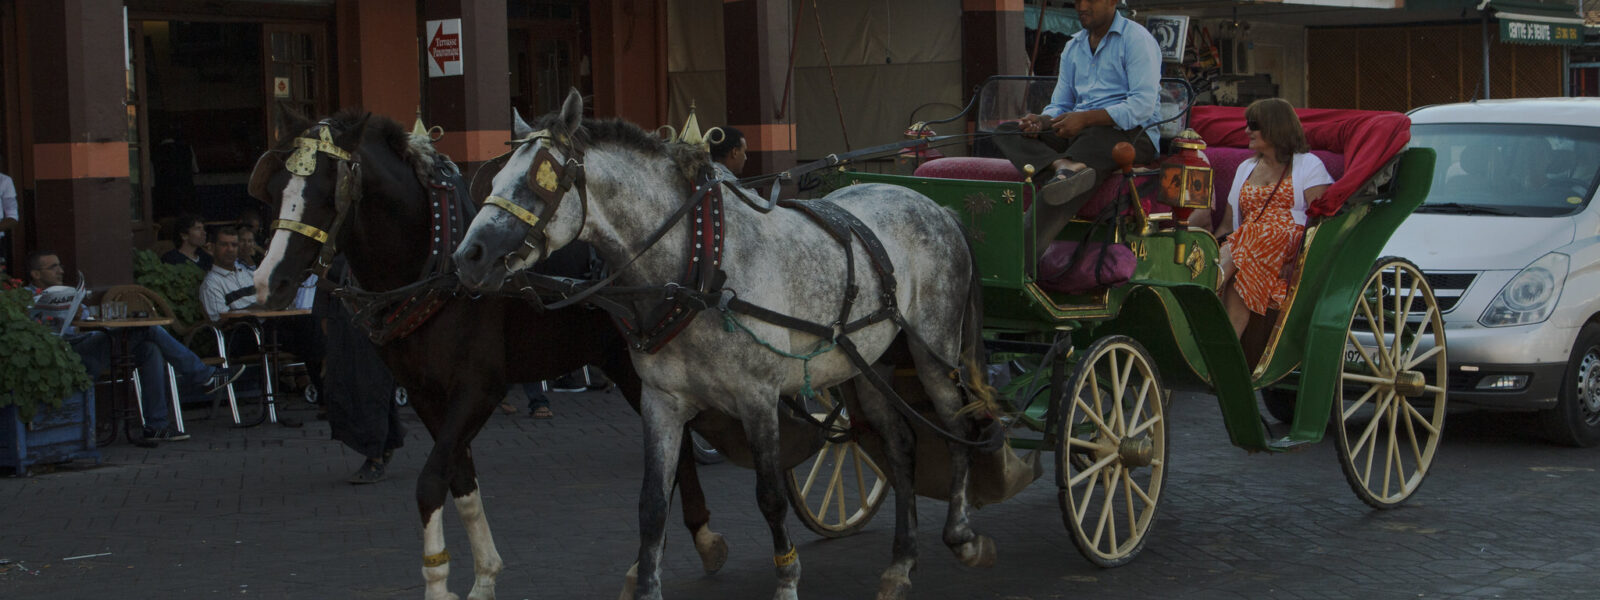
x: 1530, y: 29
x: 444, y: 48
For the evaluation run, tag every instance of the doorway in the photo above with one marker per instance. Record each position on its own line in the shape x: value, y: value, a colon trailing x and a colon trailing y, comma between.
x: 548, y: 56
x: 203, y: 100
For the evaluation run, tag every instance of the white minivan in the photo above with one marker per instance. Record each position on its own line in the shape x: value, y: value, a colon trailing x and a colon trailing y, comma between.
x: 1509, y: 238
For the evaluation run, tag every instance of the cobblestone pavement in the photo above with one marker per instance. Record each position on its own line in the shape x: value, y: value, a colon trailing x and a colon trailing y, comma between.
x: 266, y: 513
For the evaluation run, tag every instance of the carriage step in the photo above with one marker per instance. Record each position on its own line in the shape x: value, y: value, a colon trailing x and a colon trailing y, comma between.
x: 1285, y: 444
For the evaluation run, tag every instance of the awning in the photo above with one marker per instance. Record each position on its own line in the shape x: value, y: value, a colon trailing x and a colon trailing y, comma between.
x: 1525, y: 22
x: 1056, y: 20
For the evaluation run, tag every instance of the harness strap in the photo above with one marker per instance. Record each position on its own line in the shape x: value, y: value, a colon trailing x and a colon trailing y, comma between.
x: 993, y: 436
x: 319, y: 235
x: 511, y: 207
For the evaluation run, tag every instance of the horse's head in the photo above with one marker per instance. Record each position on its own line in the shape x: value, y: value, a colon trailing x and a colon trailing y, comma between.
x: 538, y: 200
x: 312, y: 179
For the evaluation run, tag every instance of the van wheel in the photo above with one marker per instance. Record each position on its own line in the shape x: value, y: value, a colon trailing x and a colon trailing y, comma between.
x: 1575, y: 421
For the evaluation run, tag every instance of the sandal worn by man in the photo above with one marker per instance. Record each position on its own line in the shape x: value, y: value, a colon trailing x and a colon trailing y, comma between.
x: 508, y: 408
x: 1066, y: 185
x: 371, y: 471
x: 543, y: 412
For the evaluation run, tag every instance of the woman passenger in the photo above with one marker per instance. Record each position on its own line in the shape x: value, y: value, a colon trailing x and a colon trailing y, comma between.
x: 1265, y: 220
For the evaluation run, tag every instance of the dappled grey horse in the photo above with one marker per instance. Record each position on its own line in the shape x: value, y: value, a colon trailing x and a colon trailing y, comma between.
x: 903, y: 271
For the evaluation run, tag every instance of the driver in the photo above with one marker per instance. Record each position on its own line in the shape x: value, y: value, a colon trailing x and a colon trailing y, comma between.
x: 1107, y: 91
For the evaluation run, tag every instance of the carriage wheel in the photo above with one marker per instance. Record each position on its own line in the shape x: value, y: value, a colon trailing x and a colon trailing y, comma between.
x: 1390, y: 413
x: 1111, y: 453
x: 836, y: 492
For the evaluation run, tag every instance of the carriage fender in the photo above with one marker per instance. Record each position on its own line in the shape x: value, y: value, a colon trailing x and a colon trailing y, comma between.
x: 1190, y: 333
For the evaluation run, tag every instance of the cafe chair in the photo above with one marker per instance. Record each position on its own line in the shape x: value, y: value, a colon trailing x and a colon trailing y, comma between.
x: 140, y: 299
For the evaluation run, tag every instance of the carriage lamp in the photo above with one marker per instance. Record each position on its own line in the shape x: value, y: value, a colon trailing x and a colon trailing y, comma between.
x: 1186, y: 177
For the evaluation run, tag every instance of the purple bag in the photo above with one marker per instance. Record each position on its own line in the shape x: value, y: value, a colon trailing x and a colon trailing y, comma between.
x: 1099, y: 266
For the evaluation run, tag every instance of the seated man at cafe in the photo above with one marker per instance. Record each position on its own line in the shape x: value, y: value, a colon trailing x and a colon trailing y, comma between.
x: 153, y: 348
x: 188, y: 241
x: 231, y: 287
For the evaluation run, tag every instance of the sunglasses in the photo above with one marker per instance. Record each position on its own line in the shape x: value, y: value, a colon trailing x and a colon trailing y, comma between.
x: 1252, y: 125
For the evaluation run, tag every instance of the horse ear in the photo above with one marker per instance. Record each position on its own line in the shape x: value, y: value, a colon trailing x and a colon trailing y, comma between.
x: 289, y: 122
x: 519, y: 127
x: 572, y: 110
x: 351, y: 138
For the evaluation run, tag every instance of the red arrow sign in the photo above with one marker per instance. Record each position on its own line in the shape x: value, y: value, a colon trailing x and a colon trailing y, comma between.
x: 444, y: 47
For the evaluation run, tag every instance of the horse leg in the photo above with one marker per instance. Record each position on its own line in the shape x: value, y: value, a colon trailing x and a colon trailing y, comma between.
x: 970, y: 548
x: 761, y: 428
x: 449, y: 469
x: 712, y: 548
x: 900, y: 446
x: 432, y: 485
x: 663, y: 438
x: 486, y: 563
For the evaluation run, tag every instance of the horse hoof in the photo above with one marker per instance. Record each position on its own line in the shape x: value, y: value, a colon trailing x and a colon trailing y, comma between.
x: 894, y: 588
x: 713, y: 551
x: 979, y: 553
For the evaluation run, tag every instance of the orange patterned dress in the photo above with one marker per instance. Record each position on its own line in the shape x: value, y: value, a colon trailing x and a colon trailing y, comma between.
x: 1267, y: 239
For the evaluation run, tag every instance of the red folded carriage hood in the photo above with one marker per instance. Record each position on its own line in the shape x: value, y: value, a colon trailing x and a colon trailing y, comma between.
x: 1367, y: 139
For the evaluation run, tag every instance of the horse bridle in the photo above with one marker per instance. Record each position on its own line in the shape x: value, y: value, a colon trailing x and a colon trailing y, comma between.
x: 550, y: 179
x: 302, y: 161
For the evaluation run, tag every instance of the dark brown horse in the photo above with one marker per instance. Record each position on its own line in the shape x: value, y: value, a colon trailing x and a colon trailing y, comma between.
x: 453, y: 352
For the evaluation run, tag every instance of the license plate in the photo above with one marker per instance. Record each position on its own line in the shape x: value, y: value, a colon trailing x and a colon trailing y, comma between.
x: 1352, y: 355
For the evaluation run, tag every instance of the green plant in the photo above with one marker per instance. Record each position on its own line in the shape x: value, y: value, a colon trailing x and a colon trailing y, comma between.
x: 38, y: 367
x: 179, y: 284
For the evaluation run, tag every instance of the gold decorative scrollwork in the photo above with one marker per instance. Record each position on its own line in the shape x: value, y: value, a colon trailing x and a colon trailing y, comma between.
x: 1196, y: 261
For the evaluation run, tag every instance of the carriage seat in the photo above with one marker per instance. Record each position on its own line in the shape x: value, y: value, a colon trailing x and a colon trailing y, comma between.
x: 999, y: 169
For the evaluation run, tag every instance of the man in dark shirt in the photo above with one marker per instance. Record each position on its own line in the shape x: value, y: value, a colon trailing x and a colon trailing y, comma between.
x: 188, y: 240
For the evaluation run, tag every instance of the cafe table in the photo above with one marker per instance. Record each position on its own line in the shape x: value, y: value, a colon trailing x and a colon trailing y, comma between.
x: 124, y: 413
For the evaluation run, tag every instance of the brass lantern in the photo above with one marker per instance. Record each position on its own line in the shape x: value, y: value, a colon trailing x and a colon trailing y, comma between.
x: 1186, y: 176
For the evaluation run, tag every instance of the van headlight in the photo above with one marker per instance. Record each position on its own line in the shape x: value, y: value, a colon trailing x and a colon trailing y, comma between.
x: 1531, y: 296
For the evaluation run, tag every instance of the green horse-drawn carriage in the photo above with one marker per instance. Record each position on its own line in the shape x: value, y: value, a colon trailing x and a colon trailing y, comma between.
x: 1358, y: 340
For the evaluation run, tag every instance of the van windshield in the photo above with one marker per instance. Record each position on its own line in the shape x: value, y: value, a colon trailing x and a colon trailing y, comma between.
x: 1510, y: 169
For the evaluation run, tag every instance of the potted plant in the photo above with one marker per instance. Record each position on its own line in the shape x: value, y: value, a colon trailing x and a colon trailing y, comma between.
x: 46, y: 403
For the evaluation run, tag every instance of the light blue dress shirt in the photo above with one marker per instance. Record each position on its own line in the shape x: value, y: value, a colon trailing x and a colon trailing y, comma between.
x: 1123, y: 77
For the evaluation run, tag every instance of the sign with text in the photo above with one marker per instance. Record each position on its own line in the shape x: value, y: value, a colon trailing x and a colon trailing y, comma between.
x: 1517, y: 29
x: 444, y: 47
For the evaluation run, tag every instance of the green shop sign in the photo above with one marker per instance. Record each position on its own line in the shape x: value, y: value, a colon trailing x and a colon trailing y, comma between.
x: 1530, y: 29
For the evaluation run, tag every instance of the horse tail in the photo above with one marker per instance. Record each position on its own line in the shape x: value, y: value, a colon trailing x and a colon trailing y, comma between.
x: 972, y: 374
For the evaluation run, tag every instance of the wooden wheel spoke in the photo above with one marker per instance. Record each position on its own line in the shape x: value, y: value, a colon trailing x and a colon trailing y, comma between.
x: 1411, y: 433
x: 1374, y: 380
x: 1413, y: 362
x: 1082, y: 508
x: 1377, y: 411
x: 1154, y: 420
x: 1105, y: 509
x: 1091, y: 470
x: 1359, y: 403
x: 1391, y: 458
x: 1422, y: 328
x: 1082, y: 443
x: 1362, y: 350
x: 1094, y: 392
x: 1095, y: 417
x: 1138, y: 490
x: 833, y: 481
x: 1373, y: 323
x: 816, y: 467
x: 1401, y: 314
x: 1416, y: 415
x: 861, y: 477
x: 1127, y: 499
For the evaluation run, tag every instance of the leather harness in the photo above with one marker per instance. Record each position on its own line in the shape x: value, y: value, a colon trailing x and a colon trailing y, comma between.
x: 673, y: 306
x: 387, y: 315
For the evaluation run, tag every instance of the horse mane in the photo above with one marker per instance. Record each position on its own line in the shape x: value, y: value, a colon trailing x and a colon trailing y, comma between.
x: 690, y: 160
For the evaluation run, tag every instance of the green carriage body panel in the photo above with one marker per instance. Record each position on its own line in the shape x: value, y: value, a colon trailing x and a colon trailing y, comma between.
x: 1171, y: 306
x: 1341, y: 255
